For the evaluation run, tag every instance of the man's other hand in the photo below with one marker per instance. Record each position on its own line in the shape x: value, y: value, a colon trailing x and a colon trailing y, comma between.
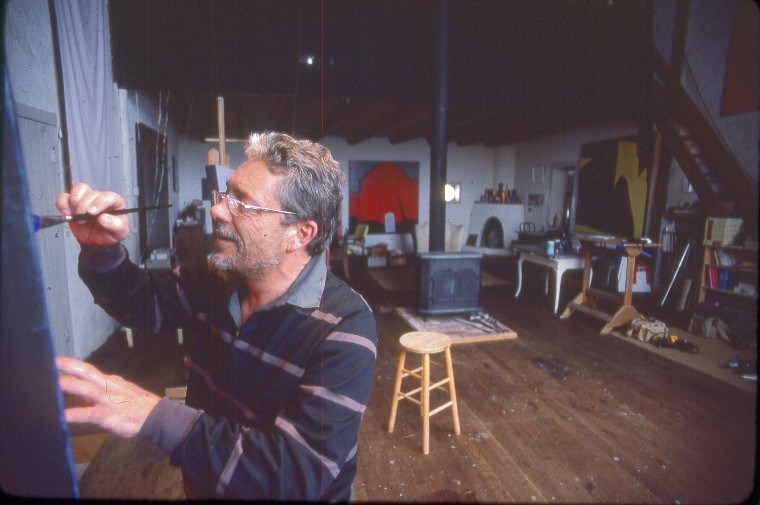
x: 107, y: 401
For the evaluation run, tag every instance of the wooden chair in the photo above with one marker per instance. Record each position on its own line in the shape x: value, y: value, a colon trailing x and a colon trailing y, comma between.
x: 424, y: 343
x: 453, y: 237
x: 356, y: 244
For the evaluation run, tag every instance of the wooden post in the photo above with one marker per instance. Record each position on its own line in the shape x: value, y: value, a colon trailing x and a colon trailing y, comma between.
x: 220, y: 120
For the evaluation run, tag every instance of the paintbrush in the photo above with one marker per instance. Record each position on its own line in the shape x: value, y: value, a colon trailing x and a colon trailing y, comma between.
x: 40, y: 222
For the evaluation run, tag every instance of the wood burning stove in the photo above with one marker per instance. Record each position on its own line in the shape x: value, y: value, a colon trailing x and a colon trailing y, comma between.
x: 449, y: 282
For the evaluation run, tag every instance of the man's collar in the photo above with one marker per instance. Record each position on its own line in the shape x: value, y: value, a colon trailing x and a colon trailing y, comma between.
x: 306, y: 291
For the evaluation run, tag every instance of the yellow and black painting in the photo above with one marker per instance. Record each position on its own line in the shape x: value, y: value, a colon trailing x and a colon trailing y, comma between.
x: 612, y: 189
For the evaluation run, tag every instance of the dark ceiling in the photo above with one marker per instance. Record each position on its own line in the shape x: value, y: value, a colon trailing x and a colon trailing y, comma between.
x: 516, y: 70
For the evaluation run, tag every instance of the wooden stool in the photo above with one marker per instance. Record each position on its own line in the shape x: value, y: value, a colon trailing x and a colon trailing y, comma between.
x: 424, y: 343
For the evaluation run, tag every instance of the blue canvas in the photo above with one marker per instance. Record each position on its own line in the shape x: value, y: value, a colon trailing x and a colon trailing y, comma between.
x: 35, y: 454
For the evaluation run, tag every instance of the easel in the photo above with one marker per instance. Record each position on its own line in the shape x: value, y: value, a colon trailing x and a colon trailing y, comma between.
x: 219, y: 156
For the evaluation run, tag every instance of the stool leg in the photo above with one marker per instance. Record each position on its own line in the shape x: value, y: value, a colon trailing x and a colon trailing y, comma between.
x: 452, y: 390
x: 422, y: 369
x: 397, y: 390
x: 425, y: 403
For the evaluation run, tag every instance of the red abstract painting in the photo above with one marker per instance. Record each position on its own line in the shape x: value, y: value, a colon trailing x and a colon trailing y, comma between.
x: 379, y: 187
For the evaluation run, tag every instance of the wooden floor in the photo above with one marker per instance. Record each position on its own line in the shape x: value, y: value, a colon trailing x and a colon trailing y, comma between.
x: 561, y: 414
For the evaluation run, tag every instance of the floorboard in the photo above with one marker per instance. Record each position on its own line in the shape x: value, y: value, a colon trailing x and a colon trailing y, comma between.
x: 563, y: 415
x: 560, y: 414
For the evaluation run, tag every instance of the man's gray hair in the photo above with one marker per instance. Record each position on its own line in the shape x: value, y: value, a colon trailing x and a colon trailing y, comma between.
x: 312, y: 185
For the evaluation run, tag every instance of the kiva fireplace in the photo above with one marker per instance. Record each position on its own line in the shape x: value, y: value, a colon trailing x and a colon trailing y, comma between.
x: 493, y: 227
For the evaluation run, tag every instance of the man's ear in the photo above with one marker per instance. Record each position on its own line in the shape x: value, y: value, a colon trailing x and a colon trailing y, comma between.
x: 301, y: 234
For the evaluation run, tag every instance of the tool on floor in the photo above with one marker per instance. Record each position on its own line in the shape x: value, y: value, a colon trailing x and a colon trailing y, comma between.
x: 476, y: 324
x: 675, y: 342
x: 743, y: 366
x: 486, y: 320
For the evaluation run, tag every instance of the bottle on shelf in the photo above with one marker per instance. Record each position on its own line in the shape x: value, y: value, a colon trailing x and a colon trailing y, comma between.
x: 500, y: 193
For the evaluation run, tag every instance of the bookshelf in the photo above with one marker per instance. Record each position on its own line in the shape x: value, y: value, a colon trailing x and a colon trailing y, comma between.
x: 728, y: 278
x: 729, y: 272
x: 678, y: 227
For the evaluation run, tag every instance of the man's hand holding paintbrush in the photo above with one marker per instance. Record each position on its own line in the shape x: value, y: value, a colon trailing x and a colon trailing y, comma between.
x: 106, y: 229
x: 94, y: 216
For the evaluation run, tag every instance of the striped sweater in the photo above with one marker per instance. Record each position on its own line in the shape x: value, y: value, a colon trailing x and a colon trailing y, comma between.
x: 273, y: 407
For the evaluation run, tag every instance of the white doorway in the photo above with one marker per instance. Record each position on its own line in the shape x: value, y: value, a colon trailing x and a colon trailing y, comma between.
x: 561, y: 190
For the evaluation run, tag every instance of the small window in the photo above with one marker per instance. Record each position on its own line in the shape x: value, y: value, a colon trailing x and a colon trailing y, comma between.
x: 451, y: 192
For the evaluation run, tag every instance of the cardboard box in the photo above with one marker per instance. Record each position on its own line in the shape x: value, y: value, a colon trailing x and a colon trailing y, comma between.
x: 377, y: 251
x: 641, y: 278
x: 377, y: 256
x: 376, y: 262
x: 722, y: 230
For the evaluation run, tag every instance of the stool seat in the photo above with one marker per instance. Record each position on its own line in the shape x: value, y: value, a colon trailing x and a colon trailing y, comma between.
x: 420, y: 342
x: 424, y: 343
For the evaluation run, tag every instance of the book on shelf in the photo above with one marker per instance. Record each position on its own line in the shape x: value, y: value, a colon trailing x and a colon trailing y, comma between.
x: 711, y: 276
x: 723, y: 279
x: 728, y: 258
x: 668, y: 240
x: 723, y: 258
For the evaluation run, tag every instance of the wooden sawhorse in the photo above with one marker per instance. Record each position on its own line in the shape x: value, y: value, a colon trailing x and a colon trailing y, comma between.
x: 586, y: 300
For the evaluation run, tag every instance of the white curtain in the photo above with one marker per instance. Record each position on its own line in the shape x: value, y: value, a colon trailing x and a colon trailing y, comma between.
x: 84, y: 41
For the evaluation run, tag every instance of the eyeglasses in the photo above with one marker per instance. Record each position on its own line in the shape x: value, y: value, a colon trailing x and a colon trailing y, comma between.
x: 238, y: 208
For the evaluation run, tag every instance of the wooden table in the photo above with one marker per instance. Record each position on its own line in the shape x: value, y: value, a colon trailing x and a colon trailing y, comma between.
x: 587, y: 300
x: 458, y: 328
x: 558, y: 264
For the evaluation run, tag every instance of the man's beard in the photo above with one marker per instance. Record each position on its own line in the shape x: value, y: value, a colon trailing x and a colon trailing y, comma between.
x: 250, y: 264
